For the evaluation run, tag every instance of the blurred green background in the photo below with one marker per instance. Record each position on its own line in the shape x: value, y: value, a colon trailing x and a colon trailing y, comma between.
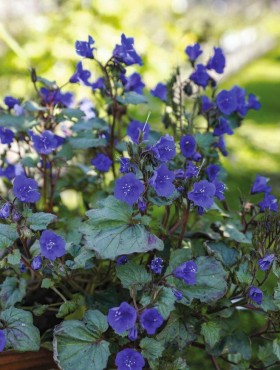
x: 42, y: 34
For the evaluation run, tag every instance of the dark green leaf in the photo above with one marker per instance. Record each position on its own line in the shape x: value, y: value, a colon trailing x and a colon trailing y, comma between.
x: 132, y: 97
x: 8, y: 235
x: 132, y: 275
x: 40, y: 220
x: 211, y: 332
x: 86, y: 140
x: 14, y: 257
x: 151, y: 348
x: 230, y: 231
x: 225, y: 254
x: 12, y: 291
x: 78, y: 344
x: 20, y: 332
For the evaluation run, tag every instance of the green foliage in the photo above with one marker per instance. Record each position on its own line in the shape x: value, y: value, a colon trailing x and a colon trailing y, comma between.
x: 12, y: 290
x: 133, y: 276
x: 85, y: 337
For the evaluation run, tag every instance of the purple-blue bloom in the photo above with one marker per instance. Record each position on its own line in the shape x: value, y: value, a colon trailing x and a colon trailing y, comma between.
x: 47, y: 142
x: 26, y: 189
x: 57, y: 97
x: 151, y: 320
x: 37, y: 263
x: 99, y: 84
x: 2, y: 340
x: 125, y: 165
x: 102, y: 162
x: 222, y: 128
x: 5, y: 210
x: 16, y: 216
x: 156, y: 265
x: 193, y: 52
x: 255, y: 294
x: 212, y: 171
x: 186, y: 272
x: 220, y: 189
x: 178, y: 295
x: 10, y: 101
x: 202, y: 194
x: 6, y: 136
x: 260, y: 185
x: 85, y: 48
x: 125, y: 53
x: 179, y: 174
x: 135, y: 128
x: 253, y: 102
x: 160, y: 91
x: 206, y: 103
x: 197, y: 157
x: 187, y: 145
x: 122, y: 318
x: 162, y: 181
x: 269, y: 202
x: 128, y: 188
x: 217, y: 61
x: 240, y: 94
x: 129, y: 359
x: 227, y: 101
x: 134, y: 83
x: 81, y: 75
x: 266, y: 262
x: 122, y: 260
x: 165, y: 149
x: 133, y: 333
x: 200, y: 76
x: 191, y: 170
x: 142, y: 205
x: 221, y: 145
x: 52, y: 245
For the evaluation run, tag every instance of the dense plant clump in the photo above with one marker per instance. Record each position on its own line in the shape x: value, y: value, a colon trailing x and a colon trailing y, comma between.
x: 150, y: 269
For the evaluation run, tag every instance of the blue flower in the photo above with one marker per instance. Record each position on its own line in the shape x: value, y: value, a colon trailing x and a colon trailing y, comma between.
x: 212, y: 171
x: 125, y: 165
x: 47, y: 142
x: 253, y: 102
x: 151, y: 320
x: 260, y: 185
x: 125, y: 53
x: 84, y: 48
x: 200, y: 76
x: 26, y: 189
x: 165, y: 149
x: 197, y: 157
x: 129, y: 359
x: 11, y: 101
x: 99, y: 84
x: 221, y: 145
x: 52, y: 245
x: 206, y: 103
x: 160, y: 91
x: 178, y: 295
x: 128, y: 188
x: 142, y: 205
x: 156, y: 265
x: 222, y: 128
x: 187, y: 145
x: 266, y: 262
x: 2, y: 340
x: 179, y: 174
x: 5, y: 210
x: 122, y: 318
x: 6, y: 136
x: 191, y: 170
x: 269, y: 202
x: 193, y: 52
x: 220, y: 189
x: 186, y: 272
x: 133, y: 333
x: 134, y: 129
x: 162, y: 181
x: 218, y: 61
x: 57, y: 97
x: 122, y: 260
x: 202, y: 194
x: 134, y: 83
x: 240, y: 94
x: 81, y: 75
x: 255, y: 294
x: 227, y: 101
x: 102, y: 162
x: 37, y: 263
x: 16, y: 216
